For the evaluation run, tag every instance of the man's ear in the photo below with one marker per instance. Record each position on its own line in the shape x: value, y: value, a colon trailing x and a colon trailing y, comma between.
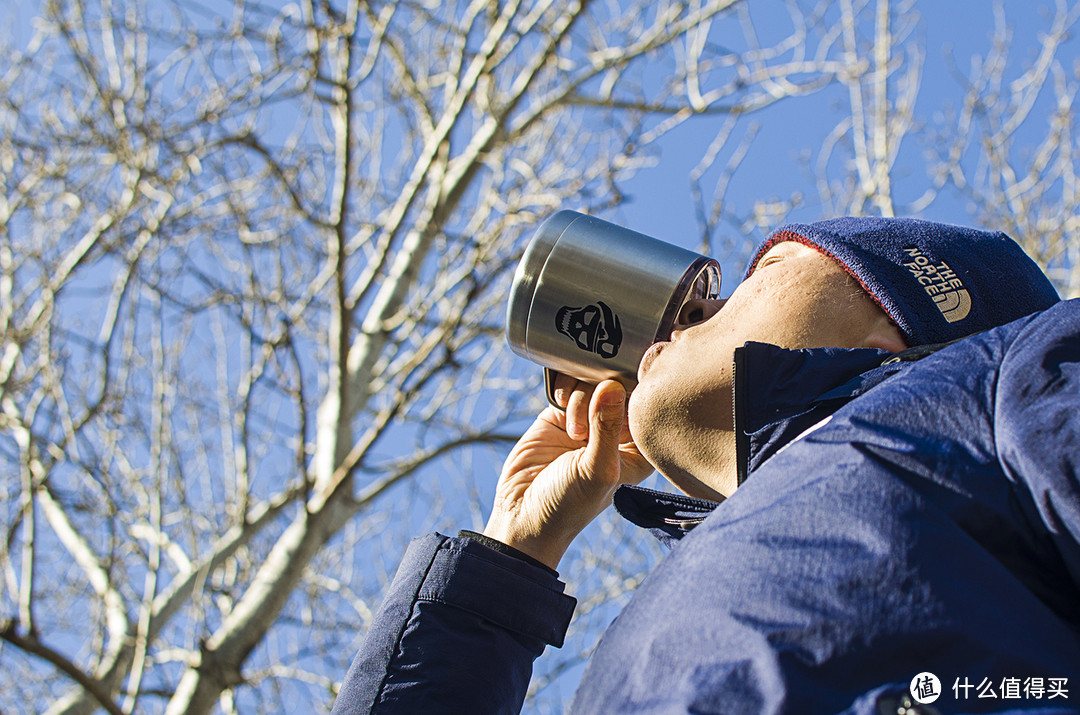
x: 884, y: 335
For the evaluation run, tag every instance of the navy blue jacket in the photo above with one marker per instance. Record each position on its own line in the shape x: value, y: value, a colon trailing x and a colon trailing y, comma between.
x: 916, y: 516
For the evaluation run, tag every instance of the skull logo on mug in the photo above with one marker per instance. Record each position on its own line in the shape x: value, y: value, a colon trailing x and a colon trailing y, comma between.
x: 594, y: 328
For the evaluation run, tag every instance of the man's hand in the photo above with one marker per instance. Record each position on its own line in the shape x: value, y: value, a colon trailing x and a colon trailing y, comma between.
x: 552, y: 485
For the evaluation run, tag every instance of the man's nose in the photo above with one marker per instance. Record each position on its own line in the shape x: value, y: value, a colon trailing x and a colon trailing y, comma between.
x: 696, y: 310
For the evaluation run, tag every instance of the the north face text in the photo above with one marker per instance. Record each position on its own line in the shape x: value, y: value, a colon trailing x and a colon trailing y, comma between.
x: 940, y: 283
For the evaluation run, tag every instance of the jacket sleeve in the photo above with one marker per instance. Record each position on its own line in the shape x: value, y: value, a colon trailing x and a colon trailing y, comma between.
x: 1037, y: 427
x: 457, y: 632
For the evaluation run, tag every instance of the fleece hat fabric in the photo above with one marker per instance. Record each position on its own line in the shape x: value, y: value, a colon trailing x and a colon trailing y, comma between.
x: 938, y: 282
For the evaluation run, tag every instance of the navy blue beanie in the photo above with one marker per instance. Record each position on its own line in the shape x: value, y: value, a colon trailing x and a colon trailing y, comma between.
x: 937, y: 282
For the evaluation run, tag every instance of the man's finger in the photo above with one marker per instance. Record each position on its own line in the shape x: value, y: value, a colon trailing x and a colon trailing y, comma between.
x: 577, y: 412
x: 563, y: 387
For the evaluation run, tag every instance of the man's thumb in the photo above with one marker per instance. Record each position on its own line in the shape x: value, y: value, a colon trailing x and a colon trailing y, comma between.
x: 608, y: 410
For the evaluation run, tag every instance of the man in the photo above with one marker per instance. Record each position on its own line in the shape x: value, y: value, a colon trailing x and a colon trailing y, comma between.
x: 902, y: 515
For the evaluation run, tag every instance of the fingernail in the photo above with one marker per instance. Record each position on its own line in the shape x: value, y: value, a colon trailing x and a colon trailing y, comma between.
x: 615, y: 397
x: 611, y: 408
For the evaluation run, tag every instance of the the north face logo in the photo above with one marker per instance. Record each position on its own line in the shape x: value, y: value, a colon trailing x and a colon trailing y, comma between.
x: 940, y: 283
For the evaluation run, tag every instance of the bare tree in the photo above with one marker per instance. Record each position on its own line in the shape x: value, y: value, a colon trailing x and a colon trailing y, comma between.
x: 1008, y: 149
x: 877, y: 56
x: 1002, y: 155
x: 1011, y: 150
x: 252, y: 269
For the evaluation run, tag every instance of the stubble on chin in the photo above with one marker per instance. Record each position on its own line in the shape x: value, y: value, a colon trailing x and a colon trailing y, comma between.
x: 666, y: 427
x: 657, y: 426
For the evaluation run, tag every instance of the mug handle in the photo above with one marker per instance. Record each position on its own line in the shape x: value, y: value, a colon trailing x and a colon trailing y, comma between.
x: 549, y: 388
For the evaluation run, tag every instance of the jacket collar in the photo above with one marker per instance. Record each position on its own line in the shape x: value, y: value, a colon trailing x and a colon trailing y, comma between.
x: 778, y: 395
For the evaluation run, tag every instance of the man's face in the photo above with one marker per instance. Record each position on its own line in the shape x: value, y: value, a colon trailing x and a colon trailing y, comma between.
x: 680, y: 413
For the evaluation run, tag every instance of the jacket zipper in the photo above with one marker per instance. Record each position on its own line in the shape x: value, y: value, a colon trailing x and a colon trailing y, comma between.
x: 742, y: 440
x: 687, y: 524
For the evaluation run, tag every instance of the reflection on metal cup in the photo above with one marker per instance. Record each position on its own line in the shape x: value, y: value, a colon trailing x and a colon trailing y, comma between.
x: 590, y: 297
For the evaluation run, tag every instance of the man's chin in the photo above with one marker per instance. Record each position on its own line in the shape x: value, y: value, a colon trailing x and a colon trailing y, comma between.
x: 663, y: 456
x: 691, y: 486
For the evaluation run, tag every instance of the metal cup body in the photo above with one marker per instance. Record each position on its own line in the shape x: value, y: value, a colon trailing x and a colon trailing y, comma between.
x: 589, y: 297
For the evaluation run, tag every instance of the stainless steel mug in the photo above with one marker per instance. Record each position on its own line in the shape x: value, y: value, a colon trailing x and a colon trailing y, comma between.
x: 590, y: 297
